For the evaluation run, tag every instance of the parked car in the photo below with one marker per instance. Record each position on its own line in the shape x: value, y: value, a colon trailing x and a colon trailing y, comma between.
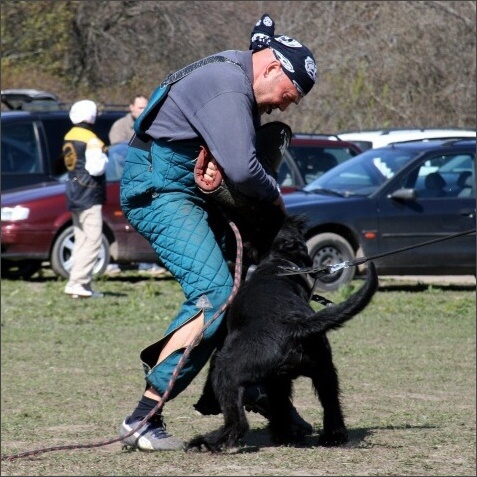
x: 37, y: 227
x: 388, y: 198
x: 309, y: 156
x: 32, y: 141
x: 29, y: 100
x: 374, y: 138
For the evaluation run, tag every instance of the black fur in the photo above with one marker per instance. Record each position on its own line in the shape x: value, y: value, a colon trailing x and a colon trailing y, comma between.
x: 274, y: 336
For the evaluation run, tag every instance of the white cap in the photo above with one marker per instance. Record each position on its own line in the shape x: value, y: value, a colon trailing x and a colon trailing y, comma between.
x: 83, y: 112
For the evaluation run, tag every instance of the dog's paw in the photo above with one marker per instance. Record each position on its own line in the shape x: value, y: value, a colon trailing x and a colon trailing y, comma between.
x: 201, y: 444
x: 332, y: 439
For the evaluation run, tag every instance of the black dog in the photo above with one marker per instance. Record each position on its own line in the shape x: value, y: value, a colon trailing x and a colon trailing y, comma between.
x: 274, y: 336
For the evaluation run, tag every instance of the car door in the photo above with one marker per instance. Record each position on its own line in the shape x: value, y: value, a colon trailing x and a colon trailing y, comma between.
x: 434, y: 207
x: 23, y: 161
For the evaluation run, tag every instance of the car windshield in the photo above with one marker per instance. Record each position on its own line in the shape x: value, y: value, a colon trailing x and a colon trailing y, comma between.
x: 363, y: 174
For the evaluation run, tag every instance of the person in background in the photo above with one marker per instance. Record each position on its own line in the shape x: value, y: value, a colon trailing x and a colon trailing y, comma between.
x: 122, y: 130
x: 85, y: 162
x: 217, y: 107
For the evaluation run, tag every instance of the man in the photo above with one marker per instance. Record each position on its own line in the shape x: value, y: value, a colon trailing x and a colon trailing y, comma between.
x: 217, y: 105
x: 86, y: 163
x: 123, y: 129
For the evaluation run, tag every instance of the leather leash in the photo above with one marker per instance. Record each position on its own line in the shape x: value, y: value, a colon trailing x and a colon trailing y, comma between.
x: 316, y: 272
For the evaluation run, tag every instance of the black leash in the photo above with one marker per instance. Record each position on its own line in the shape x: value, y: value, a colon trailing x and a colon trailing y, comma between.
x: 315, y: 272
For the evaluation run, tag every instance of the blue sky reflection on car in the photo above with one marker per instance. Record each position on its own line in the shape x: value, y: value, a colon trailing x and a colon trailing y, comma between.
x: 361, y: 176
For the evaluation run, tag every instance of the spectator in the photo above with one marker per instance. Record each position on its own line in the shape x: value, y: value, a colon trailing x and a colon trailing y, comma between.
x: 218, y: 105
x: 86, y: 162
x: 122, y: 130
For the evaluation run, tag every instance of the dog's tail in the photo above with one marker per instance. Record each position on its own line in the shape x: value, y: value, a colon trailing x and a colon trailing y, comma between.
x: 334, y: 317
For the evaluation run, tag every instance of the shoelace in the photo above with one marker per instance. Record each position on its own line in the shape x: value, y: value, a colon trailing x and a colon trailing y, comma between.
x: 157, y: 427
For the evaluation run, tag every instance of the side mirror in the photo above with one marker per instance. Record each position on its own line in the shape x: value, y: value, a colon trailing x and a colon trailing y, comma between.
x: 403, y: 194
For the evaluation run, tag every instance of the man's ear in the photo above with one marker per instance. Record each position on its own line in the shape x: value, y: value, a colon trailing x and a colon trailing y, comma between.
x: 274, y: 67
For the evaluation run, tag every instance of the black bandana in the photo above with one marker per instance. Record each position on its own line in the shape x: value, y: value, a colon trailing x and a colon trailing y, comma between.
x: 296, y: 59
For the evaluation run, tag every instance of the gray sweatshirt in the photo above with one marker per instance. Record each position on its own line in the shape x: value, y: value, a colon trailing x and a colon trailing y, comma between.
x: 216, y: 104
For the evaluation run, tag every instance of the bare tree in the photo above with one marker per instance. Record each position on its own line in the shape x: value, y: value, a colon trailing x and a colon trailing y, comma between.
x: 380, y: 64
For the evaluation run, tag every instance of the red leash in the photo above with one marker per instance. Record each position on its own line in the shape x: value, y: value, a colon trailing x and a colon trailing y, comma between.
x: 160, y: 404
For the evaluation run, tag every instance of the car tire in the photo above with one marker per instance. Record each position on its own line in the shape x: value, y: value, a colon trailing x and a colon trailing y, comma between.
x: 60, y: 259
x: 330, y: 249
x: 20, y: 269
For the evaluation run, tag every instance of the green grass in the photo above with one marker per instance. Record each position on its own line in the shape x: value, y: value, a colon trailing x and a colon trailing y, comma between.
x: 71, y: 372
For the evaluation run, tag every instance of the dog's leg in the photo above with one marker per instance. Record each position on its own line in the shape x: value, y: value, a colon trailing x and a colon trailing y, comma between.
x: 228, y: 435
x: 235, y: 421
x: 282, y: 427
x: 207, y: 404
x: 326, y: 384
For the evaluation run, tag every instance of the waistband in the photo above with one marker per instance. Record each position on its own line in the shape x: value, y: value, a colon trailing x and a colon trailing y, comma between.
x: 191, y: 147
x: 144, y: 143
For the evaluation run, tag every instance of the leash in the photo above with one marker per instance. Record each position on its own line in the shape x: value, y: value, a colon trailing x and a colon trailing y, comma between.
x: 175, y: 373
x: 315, y: 272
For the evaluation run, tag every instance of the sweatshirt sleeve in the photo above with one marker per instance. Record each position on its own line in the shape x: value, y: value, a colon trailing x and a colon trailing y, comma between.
x: 226, y: 124
x: 96, y: 159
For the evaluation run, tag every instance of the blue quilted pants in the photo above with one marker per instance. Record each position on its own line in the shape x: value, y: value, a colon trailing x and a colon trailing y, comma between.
x: 190, y: 242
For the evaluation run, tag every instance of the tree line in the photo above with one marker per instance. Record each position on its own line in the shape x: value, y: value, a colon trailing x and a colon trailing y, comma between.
x: 380, y: 64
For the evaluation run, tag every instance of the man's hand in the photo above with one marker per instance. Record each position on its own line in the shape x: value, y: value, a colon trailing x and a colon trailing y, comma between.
x: 207, y: 173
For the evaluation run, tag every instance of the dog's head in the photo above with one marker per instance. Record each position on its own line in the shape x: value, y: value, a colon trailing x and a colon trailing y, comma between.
x: 290, y: 242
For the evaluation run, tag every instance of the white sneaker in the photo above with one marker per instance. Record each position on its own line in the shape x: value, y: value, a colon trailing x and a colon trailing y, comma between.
x: 154, y: 269
x: 150, y: 437
x: 78, y: 291
x: 112, y: 269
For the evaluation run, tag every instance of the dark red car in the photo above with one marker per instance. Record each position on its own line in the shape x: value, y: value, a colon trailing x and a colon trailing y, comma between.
x: 311, y: 155
x: 37, y: 227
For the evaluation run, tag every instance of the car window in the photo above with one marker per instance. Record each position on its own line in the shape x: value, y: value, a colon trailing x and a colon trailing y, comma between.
x: 116, y: 160
x: 313, y: 161
x: 364, y: 174
x: 284, y: 176
x: 20, y: 152
x: 444, y: 176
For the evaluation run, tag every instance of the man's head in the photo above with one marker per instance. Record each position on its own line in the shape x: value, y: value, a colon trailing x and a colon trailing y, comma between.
x: 272, y: 88
x: 83, y: 111
x: 137, y: 105
x: 296, y: 62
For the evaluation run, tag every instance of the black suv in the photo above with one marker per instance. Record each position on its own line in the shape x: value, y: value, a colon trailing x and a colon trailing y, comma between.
x: 32, y: 143
x: 34, y: 124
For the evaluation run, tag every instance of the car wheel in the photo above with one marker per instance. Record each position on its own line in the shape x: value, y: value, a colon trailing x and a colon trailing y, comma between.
x: 331, y: 249
x: 61, y: 254
x: 20, y: 269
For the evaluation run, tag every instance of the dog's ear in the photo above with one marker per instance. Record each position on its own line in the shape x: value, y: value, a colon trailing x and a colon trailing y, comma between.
x: 299, y: 222
x: 290, y: 240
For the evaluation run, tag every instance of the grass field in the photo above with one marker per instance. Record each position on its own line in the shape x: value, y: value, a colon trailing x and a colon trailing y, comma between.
x: 71, y: 372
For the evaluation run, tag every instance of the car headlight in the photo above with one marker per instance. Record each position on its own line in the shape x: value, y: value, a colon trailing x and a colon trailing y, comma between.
x: 13, y: 214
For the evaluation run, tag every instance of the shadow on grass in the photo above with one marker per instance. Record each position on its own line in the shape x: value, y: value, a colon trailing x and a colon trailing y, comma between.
x: 257, y: 439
